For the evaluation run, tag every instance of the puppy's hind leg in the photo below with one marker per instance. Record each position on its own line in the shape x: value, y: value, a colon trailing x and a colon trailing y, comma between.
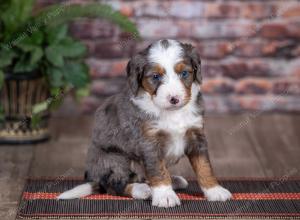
x: 78, y: 191
x: 178, y: 182
x: 138, y: 190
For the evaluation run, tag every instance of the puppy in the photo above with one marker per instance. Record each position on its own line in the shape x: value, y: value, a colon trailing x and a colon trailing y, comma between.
x: 150, y: 125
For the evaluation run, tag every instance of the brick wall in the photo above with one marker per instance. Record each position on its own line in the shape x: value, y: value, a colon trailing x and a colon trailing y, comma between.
x: 250, y: 49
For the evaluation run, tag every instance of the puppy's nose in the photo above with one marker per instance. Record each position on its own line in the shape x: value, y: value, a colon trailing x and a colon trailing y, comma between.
x: 174, y: 100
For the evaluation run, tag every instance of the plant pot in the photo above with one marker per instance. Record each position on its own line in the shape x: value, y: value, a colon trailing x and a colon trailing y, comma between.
x: 18, y: 95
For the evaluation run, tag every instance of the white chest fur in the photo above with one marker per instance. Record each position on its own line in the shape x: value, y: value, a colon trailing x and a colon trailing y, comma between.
x: 176, y: 123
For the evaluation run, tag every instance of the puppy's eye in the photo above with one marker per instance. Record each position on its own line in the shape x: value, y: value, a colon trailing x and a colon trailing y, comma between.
x: 156, y: 77
x: 184, y: 74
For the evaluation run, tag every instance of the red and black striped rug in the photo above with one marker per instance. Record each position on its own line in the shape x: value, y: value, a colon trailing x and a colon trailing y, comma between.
x: 262, y: 198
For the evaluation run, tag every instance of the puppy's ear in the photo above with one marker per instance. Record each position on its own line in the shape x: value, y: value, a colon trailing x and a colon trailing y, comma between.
x: 135, y: 71
x: 193, y: 56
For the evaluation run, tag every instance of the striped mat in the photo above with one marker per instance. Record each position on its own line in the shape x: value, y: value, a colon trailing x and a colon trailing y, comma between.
x: 252, y: 198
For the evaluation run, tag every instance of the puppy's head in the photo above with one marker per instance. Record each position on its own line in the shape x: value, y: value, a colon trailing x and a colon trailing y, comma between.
x: 166, y: 71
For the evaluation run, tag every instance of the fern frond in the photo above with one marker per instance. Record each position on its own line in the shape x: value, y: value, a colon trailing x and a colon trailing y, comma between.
x: 15, y: 14
x: 63, y: 13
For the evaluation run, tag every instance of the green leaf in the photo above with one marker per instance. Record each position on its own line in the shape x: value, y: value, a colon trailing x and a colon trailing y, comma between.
x: 56, y: 34
x: 31, y: 42
x: 82, y: 92
x: 72, y: 49
x: 76, y: 74
x: 2, y: 116
x: 15, y: 15
x: 36, y: 120
x: 36, y: 38
x: 26, y: 47
x: 53, y: 55
x: 6, y: 57
x: 55, y: 77
x: 24, y: 65
x: 1, y: 78
x: 66, y: 48
x: 40, y: 107
x: 57, y: 97
x: 32, y: 45
x: 55, y: 91
x: 36, y: 56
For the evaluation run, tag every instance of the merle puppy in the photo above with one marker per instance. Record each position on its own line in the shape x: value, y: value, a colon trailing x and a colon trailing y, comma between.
x: 151, y: 124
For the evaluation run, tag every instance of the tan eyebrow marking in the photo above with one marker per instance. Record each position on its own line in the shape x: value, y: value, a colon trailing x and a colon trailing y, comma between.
x: 158, y: 69
x: 179, y: 67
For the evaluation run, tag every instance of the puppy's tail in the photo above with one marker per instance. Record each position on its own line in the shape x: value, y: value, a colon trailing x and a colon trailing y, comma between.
x: 78, y: 191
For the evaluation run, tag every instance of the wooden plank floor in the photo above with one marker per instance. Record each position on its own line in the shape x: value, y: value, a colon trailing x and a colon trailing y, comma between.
x: 261, y: 145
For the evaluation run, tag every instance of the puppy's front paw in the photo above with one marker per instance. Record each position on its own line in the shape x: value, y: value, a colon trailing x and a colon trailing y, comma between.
x: 216, y: 193
x: 164, y: 196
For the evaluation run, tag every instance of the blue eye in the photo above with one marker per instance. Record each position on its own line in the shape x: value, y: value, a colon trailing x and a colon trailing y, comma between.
x: 156, y: 77
x: 184, y: 74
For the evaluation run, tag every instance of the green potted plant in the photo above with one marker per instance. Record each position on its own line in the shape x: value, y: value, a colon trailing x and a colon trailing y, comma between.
x: 40, y: 62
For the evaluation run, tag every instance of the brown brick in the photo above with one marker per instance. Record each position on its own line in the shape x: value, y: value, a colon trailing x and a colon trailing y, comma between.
x: 107, y: 68
x: 263, y: 103
x: 185, y: 9
x: 235, y: 68
x: 126, y: 10
x: 253, y: 86
x: 90, y: 44
x: 278, y: 48
x: 184, y: 29
x: 292, y: 11
x: 239, y: 68
x: 287, y: 86
x: 176, y: 9
x: 248, y: 48
x: 274, y: 30
x: 257, y: 10
x: 294, y: 68
x: 261, y: 67
x: 106, y: 87
x: 214, y: 50
x: 151, y: 8
x: 248, y: 103
x: 293, y: 29
x: 296, y: 51
x: 156, y: 28
x: 220, y: 29
x: 221, y: 10
x: 110, y: 49
x: 273, y: 48
x: 211, y: 69
x: 217, y: 86
x: 217, y: 104
x: 89, y: 28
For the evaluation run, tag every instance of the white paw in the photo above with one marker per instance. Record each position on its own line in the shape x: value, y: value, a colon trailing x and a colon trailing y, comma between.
x: 164, y: 196
x: 141, y: 191
x: 178, y: 182
x: 217, y: 193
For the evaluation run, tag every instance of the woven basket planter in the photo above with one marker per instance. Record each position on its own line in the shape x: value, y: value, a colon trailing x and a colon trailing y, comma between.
x: 18, y: 95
